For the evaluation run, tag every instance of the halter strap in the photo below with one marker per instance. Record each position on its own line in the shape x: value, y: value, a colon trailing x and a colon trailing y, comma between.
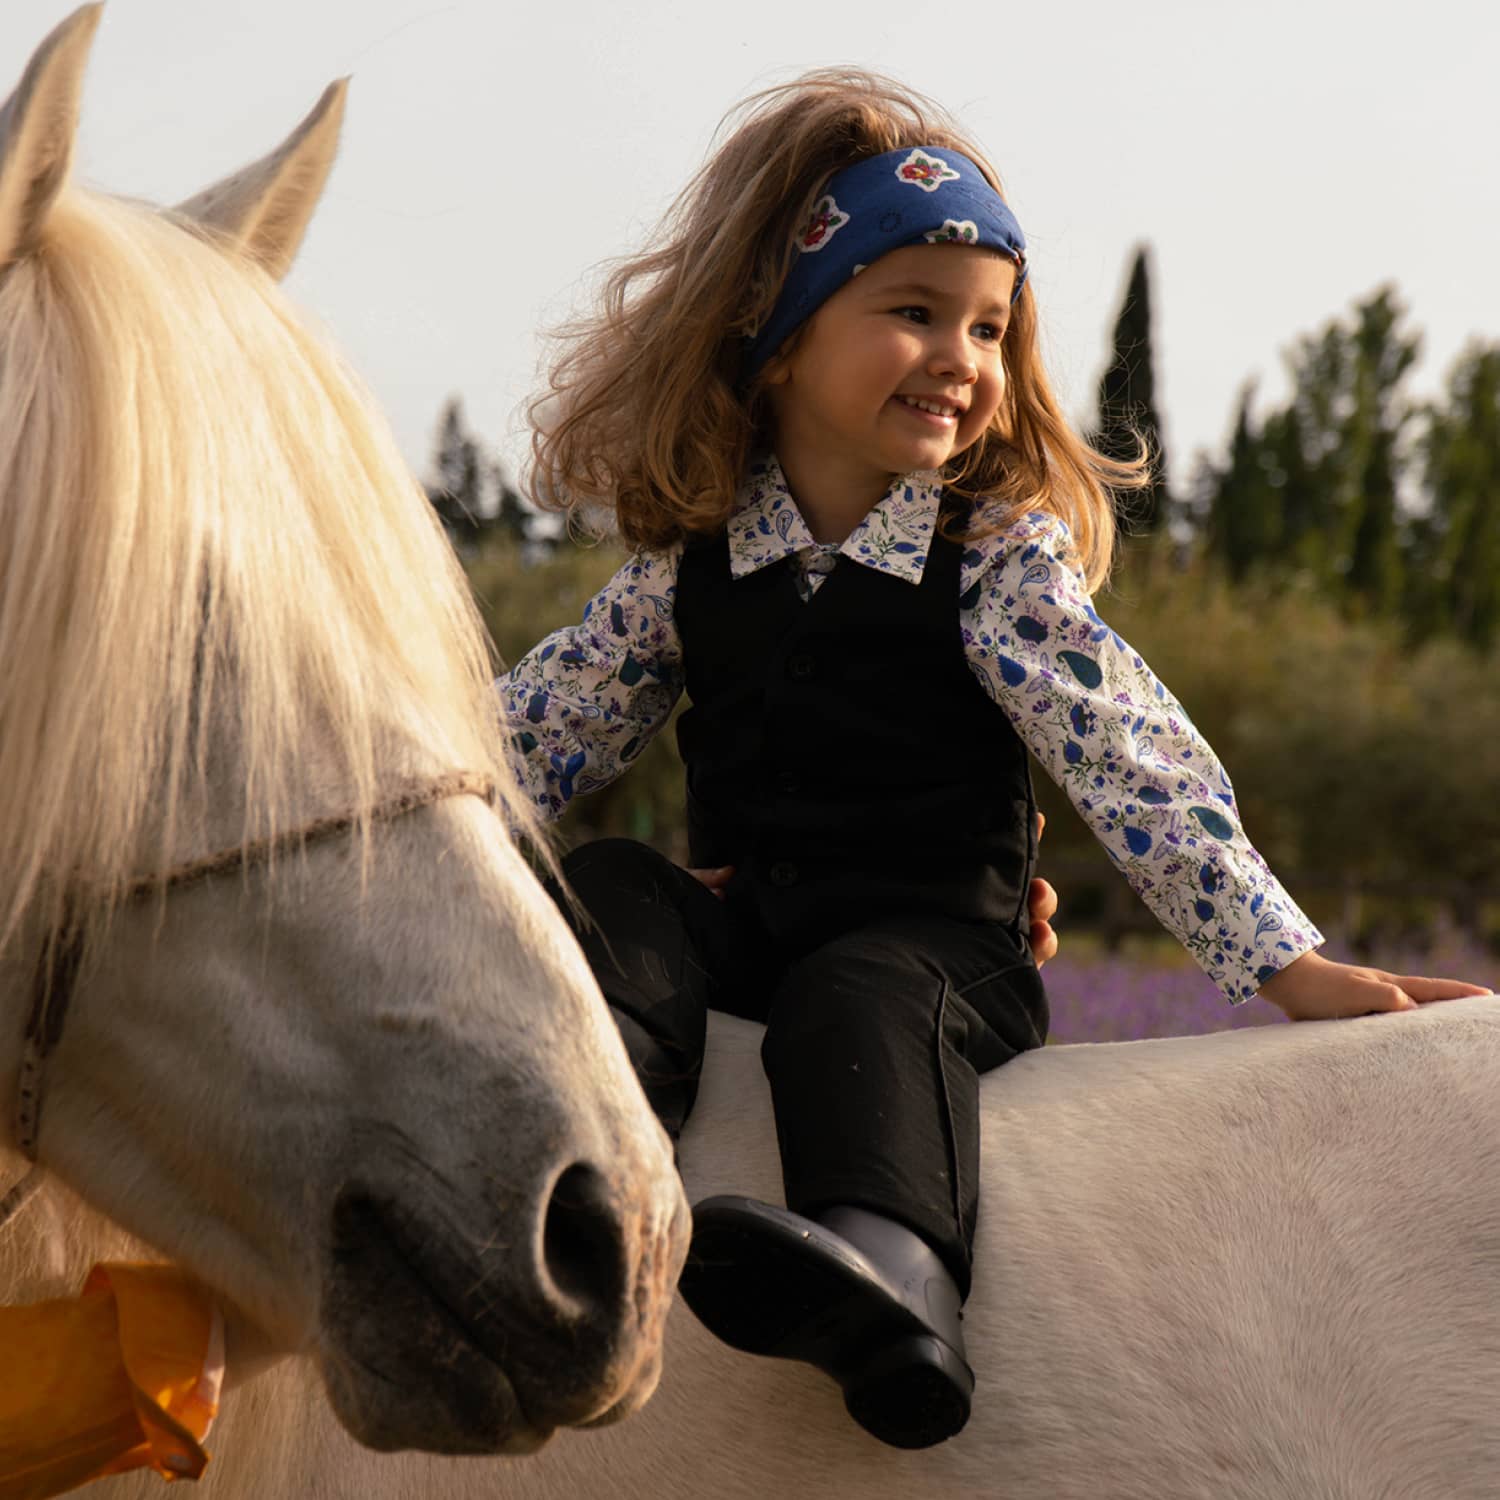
x: 57, y: 966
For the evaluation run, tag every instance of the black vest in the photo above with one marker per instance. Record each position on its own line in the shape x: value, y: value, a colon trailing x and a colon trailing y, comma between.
x: 841, y: 753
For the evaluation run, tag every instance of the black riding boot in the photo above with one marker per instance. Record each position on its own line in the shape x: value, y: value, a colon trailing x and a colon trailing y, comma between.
x: 853, y: 1293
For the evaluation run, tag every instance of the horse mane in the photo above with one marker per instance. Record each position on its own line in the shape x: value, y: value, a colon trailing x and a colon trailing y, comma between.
x: 212, y: 547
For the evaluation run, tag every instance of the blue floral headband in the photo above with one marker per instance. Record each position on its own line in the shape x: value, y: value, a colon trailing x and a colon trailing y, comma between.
x: 925, y: 195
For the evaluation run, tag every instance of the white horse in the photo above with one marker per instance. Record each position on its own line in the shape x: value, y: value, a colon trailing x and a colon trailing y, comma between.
x: 1258, y: 1265
x: 355, y: 1075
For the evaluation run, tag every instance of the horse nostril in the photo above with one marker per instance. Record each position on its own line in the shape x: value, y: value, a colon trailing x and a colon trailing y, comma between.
x: 583, y: 1249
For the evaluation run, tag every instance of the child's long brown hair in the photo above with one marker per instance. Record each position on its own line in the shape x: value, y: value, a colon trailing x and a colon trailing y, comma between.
x: 644, y: 415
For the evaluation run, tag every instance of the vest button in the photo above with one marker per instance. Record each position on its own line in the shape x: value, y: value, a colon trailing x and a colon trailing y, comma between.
x: 783, y: 872
x: 802, y: 666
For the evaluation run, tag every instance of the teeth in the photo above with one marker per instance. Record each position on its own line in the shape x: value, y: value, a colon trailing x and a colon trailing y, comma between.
x: 935, y: 407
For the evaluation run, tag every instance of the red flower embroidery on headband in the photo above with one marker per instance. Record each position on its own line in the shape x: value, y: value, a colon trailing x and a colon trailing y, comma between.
x: 926, y: 172
x: 827, y: 219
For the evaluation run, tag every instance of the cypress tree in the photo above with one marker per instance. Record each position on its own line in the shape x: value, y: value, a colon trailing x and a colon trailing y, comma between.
x: 1241, y: 527
x: 1127, y: 396
x: 1334, y: 457
x: 1319, y: 368
x: 1380, y: 357
x: 512, y: 519
x: 1374, y: 577
x: 1462, y: 472
x: 456, y: 495
x: 1298, y: 512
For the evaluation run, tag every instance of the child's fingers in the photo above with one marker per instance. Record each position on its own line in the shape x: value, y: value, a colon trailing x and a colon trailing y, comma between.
x: 1041, y: 901
x: 1387, y: 993
x: 1420, y: 990
x: 1041, y: 825
x: 715, y: 879
x: 1043, y: 943
x: 1041, y: 906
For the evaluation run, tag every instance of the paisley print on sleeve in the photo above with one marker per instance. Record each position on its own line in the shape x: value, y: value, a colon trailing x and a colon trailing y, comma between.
x: 584, y: 702
x: 1121, y: 746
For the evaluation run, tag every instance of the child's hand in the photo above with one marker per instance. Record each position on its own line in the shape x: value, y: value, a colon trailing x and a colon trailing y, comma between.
x: 1311, y: 988
x: 1041, y: 904
x: 715, y: 879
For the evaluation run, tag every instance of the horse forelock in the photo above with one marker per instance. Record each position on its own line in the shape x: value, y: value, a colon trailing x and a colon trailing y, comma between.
x: 219, y: 579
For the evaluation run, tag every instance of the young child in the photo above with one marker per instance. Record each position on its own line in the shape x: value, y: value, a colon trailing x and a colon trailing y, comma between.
x: 866, y: 538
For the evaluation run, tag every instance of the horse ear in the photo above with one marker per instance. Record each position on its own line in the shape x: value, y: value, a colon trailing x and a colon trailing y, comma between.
x: 37, y: 126
x: 265, y: 207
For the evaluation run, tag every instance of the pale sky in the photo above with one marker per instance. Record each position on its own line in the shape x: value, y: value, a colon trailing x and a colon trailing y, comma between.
x: 1282, y: 158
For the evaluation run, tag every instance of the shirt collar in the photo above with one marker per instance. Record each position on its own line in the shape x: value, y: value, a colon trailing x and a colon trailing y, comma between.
x: 893, y: 538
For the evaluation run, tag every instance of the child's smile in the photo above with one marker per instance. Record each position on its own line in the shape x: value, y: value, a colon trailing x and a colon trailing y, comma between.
x: 942, y: 414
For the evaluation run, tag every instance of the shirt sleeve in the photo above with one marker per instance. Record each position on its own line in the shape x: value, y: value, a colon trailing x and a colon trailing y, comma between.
x: 584, y: 702
x: 1111, y: 735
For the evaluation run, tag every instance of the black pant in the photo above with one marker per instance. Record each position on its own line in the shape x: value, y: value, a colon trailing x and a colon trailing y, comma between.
x: 874, y: 1039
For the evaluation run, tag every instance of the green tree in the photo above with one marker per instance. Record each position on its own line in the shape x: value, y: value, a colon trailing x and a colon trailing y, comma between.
x: 1457, y: 545
x: 1127, y: 397
x: 1242, y: 526
x: 457, y: 493
x: 1318, y: 490
x: 512, y: 518
x: 1301, y: 510
x: 1374, y: 451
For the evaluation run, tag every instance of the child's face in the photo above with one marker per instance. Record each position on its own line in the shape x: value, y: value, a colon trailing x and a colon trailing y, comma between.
x: 923, y: 323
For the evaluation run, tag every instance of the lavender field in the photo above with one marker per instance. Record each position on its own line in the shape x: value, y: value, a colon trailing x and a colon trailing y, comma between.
x: 1151, y: 988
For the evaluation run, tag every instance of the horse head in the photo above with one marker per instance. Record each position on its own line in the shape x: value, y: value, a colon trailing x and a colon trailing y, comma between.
x: 328, y: 1043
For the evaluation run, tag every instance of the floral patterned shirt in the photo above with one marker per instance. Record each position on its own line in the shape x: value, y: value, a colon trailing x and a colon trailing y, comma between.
x: 585, y: 701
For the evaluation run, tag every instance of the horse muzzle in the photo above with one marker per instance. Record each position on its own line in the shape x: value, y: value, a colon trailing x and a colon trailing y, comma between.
x: 459, y: 1338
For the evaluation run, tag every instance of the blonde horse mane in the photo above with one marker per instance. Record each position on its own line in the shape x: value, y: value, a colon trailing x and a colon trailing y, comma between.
x: 208, y: 527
